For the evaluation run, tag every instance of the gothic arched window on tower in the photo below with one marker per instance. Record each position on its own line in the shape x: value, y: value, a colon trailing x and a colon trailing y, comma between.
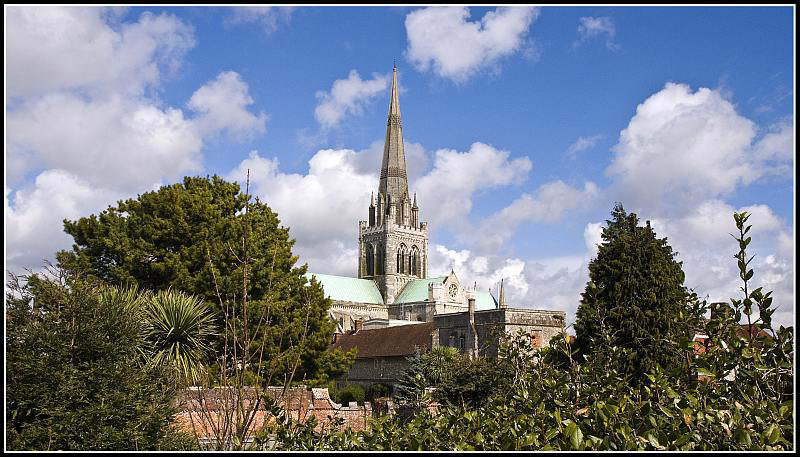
x: 379, y: 259
x: 401, y: 259
x: 414, y: 261
x: 370, y: 260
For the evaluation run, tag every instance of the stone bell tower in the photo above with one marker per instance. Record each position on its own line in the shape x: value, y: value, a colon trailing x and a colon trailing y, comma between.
x: 393, y: 243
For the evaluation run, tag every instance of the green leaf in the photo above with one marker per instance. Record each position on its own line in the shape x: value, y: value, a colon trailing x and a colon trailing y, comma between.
x: 575, y: 436
x: 742, y: 436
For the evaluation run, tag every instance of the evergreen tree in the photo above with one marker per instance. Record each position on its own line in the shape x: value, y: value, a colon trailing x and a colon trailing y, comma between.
x: 635, y: 298
x: 208, y: 239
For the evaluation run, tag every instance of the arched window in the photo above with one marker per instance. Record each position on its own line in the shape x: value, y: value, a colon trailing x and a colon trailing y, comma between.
x: 401, y: 259
x: 370, y: 260
x: 380, y: 256
x: 413, y: 261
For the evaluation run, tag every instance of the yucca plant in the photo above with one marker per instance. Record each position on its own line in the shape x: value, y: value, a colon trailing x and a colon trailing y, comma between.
x: 179, y: 327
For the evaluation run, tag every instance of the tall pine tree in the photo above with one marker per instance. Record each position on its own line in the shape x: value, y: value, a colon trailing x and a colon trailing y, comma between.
x: 635, y: 297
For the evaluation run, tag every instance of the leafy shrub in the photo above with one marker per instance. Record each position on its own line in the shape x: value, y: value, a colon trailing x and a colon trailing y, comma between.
x: 377, y: 391
x: 350, y: 392
x: 77, y: 374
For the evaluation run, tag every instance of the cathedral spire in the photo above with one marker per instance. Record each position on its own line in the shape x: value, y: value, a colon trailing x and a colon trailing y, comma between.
x: 393, y: 180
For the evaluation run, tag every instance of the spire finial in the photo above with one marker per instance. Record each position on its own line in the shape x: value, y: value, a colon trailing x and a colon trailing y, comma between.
x: 502, y: 300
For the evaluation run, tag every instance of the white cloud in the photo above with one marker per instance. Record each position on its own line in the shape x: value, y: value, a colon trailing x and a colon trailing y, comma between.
x: 446, y: 192
x: 34, y: 224
x: 681, y: 148
x: 222, y: 106
x: 443, y: 38
x: 117, y: 142
x: 776, y: 148
x: 548, y: 204
x: 98, y: 131
x: 333, y: 191
x: 53, y: 48
x: 592, y: 237
x: 348, y: 97
x: 269, y: 17
x: 594, y: 27
x: 581, y: 144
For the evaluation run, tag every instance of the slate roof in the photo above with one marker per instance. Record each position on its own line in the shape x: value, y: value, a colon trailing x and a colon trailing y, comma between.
x: 401, y: 340
x: 349, y: 289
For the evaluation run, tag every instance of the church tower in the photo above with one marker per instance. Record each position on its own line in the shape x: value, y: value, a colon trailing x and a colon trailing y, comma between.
x: 393, y: 243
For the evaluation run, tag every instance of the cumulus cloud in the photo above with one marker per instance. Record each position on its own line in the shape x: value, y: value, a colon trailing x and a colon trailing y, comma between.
x: 446, y: 192
x: 33, y: 224
x: 222, y: 105
x: 270, y: 18
x: 56, y: 48
x: 445, y: 40
x: 683, y: 147
x: 595, y: 27
x: 548, y: 204
x: 348, y: 97
x: 118, y: 142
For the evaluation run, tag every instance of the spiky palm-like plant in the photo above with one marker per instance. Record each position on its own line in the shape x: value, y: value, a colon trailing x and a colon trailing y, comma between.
x: 179, y: 327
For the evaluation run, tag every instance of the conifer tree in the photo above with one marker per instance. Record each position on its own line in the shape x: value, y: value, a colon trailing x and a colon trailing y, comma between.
x: 635, y: 297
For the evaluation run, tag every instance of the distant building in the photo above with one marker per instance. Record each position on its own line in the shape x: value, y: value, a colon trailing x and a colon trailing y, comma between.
x: 393, y: 306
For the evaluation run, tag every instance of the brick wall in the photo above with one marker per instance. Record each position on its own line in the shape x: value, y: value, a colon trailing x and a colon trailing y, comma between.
x: 205, y: 412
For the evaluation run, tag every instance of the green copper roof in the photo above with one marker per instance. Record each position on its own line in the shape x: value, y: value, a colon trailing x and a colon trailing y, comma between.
x: 417, y: 290
x: 349, y: 289
x: 484, y: 300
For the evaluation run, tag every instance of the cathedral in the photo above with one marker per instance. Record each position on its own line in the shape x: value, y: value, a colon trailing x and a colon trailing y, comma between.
x: 393, y: 288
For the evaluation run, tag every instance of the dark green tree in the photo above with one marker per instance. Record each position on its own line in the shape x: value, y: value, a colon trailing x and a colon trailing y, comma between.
x: 635, y: 298
x: 208, y: 239
x: 77, y: 376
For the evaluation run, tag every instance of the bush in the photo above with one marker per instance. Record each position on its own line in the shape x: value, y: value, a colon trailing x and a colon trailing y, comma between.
x: 472, y: 382
x: 377, y: 391
x: 77, y: 378
x: 350, y: 392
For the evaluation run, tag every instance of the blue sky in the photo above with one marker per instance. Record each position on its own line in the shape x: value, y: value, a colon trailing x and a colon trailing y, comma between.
x: 521, y: 127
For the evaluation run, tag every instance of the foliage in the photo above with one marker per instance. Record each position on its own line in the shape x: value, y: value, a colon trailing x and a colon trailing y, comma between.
x: 77, y: 370
x: 348, y: 393
x: 179, y: 327
x: 472, y: 382
x: 425, y: 370
x: 378, y: 391
x: 558, y: 401
x: 635, y: 297
x: 206, y: 238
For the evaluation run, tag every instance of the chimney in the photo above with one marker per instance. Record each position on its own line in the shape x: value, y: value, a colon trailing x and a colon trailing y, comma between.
x: 359, y: 325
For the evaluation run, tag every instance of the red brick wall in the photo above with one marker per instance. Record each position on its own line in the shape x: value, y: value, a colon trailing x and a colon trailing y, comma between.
x: 205, y: 413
